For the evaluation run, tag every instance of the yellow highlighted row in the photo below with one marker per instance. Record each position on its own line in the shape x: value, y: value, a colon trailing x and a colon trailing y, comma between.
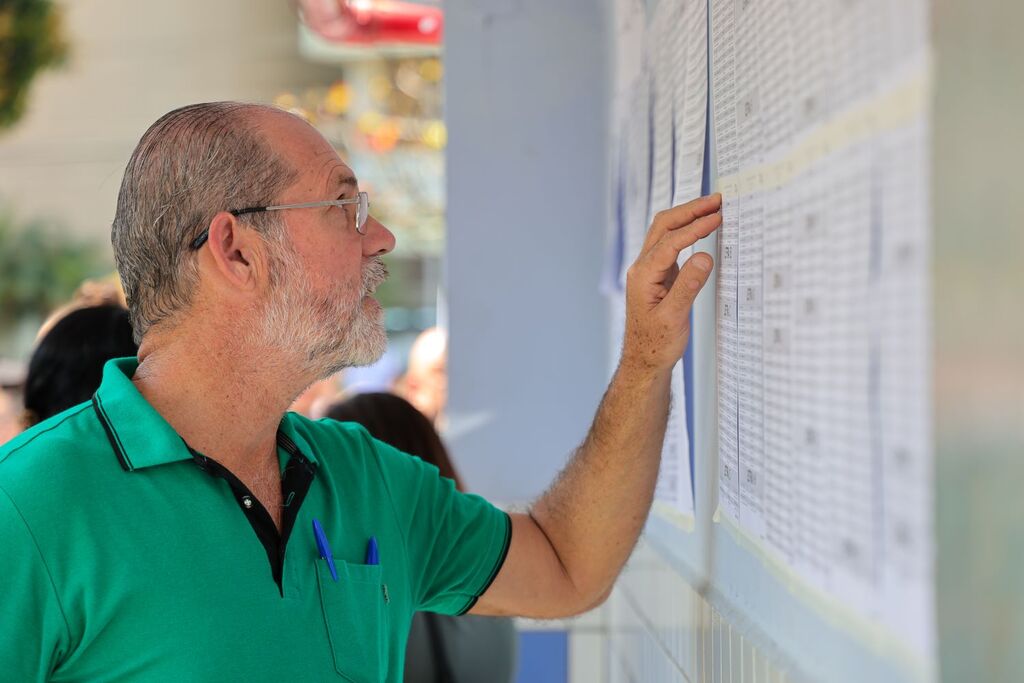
x: 888, y: 111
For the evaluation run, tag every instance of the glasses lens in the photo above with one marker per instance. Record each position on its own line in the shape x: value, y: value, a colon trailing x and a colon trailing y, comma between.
x: 362, y: 212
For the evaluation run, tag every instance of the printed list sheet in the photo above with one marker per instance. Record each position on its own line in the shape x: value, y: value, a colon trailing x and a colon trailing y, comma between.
x: 821, y: 124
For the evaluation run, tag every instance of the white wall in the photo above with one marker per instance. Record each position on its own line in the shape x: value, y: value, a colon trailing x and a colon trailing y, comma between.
x: 527, y: 90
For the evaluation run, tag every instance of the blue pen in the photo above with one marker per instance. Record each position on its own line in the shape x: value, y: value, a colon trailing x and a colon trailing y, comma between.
x: 324, y: 548
x: 372, y: 556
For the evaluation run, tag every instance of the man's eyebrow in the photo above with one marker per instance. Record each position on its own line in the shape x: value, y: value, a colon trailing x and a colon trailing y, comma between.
x: 341, y: 180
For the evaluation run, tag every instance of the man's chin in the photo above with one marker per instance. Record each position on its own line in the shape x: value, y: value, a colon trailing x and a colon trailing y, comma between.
x: 368, y: 350
x: 370, y: 354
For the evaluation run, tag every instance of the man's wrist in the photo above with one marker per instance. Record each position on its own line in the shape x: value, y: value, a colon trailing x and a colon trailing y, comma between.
x: 639, y: 367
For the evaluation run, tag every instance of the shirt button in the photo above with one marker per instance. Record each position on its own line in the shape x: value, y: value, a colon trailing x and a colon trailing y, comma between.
x: 247, y: 501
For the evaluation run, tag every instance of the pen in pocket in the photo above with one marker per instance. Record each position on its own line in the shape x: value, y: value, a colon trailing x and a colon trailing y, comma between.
x: 324, y: 548
x: 373, y: 557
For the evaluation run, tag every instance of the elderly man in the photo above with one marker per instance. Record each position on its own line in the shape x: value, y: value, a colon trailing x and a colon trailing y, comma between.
x: 183, y: 526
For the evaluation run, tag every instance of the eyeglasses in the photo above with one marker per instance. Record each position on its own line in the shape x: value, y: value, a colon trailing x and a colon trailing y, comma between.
x: 361, y: 200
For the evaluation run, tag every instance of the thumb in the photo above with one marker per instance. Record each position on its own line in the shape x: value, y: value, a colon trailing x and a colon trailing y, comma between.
x: 688, y: 282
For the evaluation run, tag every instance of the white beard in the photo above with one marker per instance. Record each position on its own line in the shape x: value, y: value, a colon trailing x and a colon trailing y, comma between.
x: 323, y: 332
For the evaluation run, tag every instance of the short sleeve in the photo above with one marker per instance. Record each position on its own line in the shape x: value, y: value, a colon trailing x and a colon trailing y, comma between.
x: 456, y: 542
x: 31, y: 619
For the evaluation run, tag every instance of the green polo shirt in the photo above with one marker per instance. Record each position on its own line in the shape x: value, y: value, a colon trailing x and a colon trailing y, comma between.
x: 127, y: 556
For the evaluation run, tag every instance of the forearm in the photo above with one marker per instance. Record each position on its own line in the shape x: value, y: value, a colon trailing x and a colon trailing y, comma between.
x: 565, y: 555
x: 596, y: 509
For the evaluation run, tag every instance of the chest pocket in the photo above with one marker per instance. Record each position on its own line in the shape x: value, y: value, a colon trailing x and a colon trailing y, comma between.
x: 355, y: 611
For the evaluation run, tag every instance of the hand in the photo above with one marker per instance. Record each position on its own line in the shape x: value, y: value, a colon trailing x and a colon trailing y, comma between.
x: 659, y: 293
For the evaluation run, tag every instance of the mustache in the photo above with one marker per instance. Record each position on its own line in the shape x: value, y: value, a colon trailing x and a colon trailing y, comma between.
x: 374, y: 274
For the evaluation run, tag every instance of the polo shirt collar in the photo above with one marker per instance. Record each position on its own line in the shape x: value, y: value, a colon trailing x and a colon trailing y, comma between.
x: 139, y: 435
x: 287, y: 430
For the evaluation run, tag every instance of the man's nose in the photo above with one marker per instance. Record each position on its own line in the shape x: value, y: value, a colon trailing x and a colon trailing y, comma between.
x: 378, y: 240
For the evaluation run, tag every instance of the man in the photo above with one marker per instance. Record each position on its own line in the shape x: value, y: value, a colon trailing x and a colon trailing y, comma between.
x: 183, y: 526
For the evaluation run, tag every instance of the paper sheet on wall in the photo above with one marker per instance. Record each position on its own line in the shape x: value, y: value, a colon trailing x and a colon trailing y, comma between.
x: 681, y: 102
x: 825, y: 459
x: 660, y: 113
x: 691, y: 99
x: 630, y: 21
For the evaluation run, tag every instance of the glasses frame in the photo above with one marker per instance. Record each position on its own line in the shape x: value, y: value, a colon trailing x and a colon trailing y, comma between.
x: 361, y: 200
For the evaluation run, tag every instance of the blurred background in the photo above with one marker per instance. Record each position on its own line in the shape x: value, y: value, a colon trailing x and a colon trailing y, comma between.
x: 86, y: 78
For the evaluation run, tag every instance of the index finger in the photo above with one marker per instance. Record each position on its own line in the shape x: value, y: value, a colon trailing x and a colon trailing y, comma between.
x: 681, y: 216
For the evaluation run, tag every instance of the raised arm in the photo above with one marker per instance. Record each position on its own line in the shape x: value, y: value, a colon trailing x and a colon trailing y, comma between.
x: 568, y: 550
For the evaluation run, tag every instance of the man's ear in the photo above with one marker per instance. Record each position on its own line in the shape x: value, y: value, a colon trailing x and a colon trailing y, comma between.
x: 236, y: 251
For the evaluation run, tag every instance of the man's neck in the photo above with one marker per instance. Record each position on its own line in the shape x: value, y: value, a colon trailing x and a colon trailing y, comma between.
x: 226, y: 401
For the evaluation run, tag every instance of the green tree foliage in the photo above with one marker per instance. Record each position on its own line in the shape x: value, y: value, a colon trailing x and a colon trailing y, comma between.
x: 31, y: 39
x: 40, y: 268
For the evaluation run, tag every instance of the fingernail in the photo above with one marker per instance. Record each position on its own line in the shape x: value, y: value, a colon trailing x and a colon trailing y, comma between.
x: 702, y: 261
x: 693, y: 284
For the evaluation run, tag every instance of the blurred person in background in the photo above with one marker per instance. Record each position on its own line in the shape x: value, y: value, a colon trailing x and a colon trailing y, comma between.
x: 441, y: 649
x: 317, y: 398
x: 67, y: 363
x: 98, y: 292
x: 170, y: 527
x: 425, y: 383
x: 10, y: 419
x: 381, y: 376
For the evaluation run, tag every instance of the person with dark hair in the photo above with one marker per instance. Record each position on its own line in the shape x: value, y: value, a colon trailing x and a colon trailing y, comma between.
x: 440, y: 649
x: 67, y: 364
x: 183, y: 524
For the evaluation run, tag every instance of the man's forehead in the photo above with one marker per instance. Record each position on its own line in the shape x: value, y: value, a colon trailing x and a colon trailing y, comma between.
x: 331, y: 176
x: 312, y: 155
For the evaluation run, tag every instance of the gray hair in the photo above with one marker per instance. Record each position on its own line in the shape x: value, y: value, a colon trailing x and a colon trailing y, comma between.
x: 192, y: 163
